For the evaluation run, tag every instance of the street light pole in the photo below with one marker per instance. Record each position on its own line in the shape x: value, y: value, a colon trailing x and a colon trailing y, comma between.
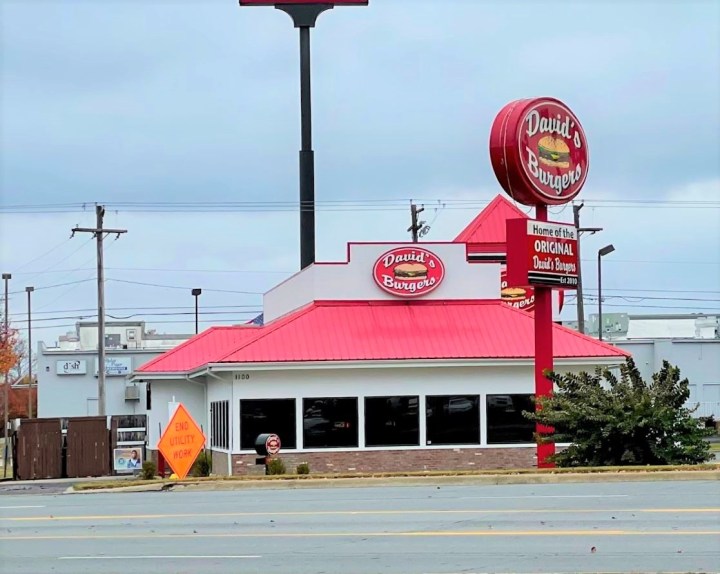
x: 196, y: 293
x: 601, y: 253
x: 6, y: 333
x: 304, y: 14
x: 304, y: 17
x: 30, y: 373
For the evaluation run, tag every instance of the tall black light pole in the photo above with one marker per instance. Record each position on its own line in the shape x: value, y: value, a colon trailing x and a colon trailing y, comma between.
x: 304, y: 14
x: 196, y: 293
x: 30, y: 373
x: 601, y: 253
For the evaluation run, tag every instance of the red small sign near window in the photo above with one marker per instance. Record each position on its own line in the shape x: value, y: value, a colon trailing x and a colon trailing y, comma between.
x: 408, y: 272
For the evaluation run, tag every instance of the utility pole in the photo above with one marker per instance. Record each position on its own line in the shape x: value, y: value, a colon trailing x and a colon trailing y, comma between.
x: 99, y: 232
x: 416, y: 225
x: 6, y: 400
x: 580, y: 302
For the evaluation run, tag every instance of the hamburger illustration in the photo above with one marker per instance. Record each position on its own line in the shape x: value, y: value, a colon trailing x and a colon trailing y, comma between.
x: 554, y: 152
x: 512, y: 294
x: 410, y: 271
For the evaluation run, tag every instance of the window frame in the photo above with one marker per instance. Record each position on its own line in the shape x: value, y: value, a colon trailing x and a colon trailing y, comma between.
x: 367, y: 444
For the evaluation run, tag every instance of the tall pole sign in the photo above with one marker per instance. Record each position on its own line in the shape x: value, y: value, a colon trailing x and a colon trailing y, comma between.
x: 539, y: 154
x: 304, y: 14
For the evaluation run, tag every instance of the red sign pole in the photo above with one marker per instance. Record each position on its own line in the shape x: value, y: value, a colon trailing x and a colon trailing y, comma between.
x: 543, y: 352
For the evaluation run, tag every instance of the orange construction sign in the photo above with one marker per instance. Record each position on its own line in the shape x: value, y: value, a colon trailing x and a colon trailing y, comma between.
x: 181, y: 442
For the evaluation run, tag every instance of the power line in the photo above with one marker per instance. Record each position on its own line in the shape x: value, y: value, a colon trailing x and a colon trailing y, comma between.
x: 184, y: 288
x: 39, y: 257
x: 169, y: 270
x: 329, y: 205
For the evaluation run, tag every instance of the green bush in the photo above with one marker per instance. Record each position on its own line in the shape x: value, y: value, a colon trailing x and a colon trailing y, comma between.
x: 623, y: 421
x: 303, y: 468
x: 148, y: 470
x: 202, y: 465
x: 276, y: 466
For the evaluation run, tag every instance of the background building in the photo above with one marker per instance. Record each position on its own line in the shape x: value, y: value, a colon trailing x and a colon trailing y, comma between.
x: 690, y: 342
x: 67, y: 372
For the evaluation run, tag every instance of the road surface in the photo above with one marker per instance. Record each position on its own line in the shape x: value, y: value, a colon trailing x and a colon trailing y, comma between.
x: 614, y: 527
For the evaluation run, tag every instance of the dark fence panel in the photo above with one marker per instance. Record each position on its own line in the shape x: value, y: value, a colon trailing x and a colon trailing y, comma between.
x: 39, y: 449
x: 88, y: 447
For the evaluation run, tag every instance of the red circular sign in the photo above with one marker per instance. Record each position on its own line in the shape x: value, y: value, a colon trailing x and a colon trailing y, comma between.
x: 272, y: 444
x: 408, y: 271
x: 539, y: 152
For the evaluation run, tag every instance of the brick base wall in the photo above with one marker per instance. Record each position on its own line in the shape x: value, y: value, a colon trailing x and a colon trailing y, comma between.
x: 397, y: 461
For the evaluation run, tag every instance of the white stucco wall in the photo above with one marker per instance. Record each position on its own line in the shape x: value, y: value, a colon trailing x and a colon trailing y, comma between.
x: 191, y: 394
x: 353, y: 281
x: 75, y: 395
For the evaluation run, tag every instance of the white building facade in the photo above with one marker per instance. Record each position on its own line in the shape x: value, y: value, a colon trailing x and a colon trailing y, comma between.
x: 67, y: 372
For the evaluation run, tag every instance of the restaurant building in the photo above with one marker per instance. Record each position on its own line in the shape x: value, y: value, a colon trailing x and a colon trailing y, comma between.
x: 402, y: 357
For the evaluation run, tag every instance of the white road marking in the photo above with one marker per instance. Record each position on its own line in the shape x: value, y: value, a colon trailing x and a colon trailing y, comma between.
x: 546, y: 496
x: 135, y: 557
x: 13, y: 507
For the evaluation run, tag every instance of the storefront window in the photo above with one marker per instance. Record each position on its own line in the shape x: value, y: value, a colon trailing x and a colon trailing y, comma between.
x: 453, y: 419
x: 267, y: 416
x: 505, y: 421
x: 330, y: 423
x: 220, y: 424
x: 392, y: 421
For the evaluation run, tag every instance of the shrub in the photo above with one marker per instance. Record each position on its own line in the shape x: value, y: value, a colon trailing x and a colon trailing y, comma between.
x: 613, y: 421
x: 202, y: 465
x: 148, y: 470
x: 303, y: 468
x: 276, y: 466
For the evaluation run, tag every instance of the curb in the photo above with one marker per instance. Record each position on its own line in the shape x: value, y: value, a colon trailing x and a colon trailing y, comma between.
x: 228, y: 485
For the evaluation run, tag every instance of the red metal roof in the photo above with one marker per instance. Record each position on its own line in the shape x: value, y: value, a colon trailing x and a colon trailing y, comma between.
x: 380, y: 330
x: 489, y: 225
x: 193, y: 353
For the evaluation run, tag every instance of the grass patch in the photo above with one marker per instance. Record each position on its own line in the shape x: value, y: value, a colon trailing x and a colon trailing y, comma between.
x: 96, y: 485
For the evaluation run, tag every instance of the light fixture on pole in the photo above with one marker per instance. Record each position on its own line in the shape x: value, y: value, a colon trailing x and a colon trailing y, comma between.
x: 196, y: 293
x: 29, y: 291
x: 601, y: 253
x: 6, y: 333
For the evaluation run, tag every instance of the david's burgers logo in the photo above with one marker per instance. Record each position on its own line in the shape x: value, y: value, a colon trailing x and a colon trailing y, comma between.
x: 518, y: 297
x: 408, y: 271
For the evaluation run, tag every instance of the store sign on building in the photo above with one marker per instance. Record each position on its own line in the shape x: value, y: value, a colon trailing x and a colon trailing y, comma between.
x: 116, y: 366
x: 518, y: 297
x: 539, y: 151
x: 542, y: 253
x: 77, y: 367
x: 408, y: 272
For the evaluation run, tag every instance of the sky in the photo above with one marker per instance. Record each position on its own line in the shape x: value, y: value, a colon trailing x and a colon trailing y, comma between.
x: 182, y: 117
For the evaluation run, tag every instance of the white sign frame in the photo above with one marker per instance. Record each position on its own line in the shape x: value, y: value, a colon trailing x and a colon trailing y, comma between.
x: 116, y: 366
x: 71, y: 367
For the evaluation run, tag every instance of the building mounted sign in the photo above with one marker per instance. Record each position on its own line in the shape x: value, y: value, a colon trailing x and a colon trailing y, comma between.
x: 518, y: 297
x: 76, y: 367
x: 542, y: 254
x: 539, y: 152
x: 408, y: 272
x: 116, y: 366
